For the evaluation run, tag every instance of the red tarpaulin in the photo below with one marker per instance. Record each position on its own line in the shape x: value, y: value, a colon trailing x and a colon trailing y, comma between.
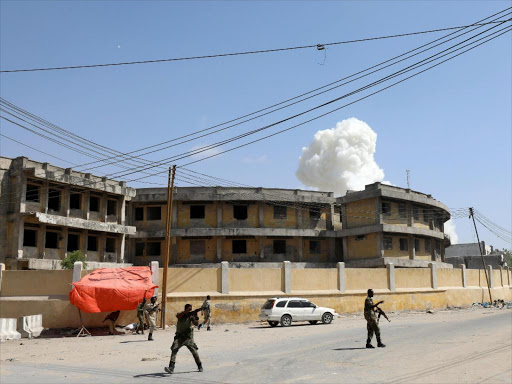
x: 112, y: 289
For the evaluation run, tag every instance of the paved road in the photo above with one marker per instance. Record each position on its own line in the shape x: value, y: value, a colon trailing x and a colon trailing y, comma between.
x: 469, y: 346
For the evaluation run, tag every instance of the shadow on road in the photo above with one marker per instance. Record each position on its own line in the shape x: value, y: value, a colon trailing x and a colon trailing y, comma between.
x: 162, y: 374
x: 290, y: 326
x: 348, y: 349
x: 132, y: 341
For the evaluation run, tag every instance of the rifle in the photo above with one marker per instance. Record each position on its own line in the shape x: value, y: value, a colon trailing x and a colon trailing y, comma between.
x: 191, y: 313
x: 381, y: 313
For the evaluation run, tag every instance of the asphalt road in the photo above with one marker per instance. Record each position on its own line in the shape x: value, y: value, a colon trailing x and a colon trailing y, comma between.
x: 465, y: 346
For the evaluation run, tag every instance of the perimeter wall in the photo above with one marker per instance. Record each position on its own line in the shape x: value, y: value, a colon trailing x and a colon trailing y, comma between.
x: 237, y: 294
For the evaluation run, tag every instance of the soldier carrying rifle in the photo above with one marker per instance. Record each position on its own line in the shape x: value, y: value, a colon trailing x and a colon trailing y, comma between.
x: 185, y: 337
x: 150, y: 310
x: 372, y: 322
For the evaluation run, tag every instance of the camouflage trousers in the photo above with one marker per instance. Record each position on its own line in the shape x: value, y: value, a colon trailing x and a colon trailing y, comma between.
x: 140, y: 326
x: 373, y: 327
x: 184, y: 342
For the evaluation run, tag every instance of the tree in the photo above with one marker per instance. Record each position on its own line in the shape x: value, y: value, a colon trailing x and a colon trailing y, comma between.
x: 69, y: 261
x: 507, y: 257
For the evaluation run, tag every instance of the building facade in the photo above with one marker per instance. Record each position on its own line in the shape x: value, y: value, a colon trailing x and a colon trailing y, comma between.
x: 47, y: 212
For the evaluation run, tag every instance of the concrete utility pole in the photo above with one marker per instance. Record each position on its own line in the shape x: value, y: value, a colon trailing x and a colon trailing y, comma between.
x: 481, y: 253
x: 168, y: 226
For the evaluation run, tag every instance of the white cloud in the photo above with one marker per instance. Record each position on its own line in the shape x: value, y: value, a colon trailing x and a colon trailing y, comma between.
x: 449, y: 229
x: 341, y: 158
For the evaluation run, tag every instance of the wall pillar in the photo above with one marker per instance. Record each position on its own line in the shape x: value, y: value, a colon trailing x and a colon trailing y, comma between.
x: 410, y: 214
x: 77, y: 271
x: 463, y: 272
x: 103, y: 207
x: 261, y: 215
x: 287, y: 277
x: 45, y: 191
x: 501, y: 276
x: 380, y: 245
x: 491, y: 277
x: 378, y: 209
x: 391, y: 276
x: 341, y: 277
x: 412, y: 247
x: 343, y: 216
x: 102, y: 244
x: 86, y: 204
x: 224, y: 277
x: 219, y: 249
x: 330, y: 218
x: 21, y: 233
x: 155, y: 269
x: 433, y: 275
x: 121, y: 216
x: 508, y: 275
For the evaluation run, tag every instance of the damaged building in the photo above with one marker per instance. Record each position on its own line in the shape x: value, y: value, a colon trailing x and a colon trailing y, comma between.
x: 47, y: 211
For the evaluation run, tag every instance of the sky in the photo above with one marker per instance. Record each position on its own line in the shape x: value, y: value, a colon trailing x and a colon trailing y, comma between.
x: 451, y: 126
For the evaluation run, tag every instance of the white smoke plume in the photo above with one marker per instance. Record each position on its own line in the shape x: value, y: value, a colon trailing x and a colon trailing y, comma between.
x: 449, y: 229
x: 341, y: 158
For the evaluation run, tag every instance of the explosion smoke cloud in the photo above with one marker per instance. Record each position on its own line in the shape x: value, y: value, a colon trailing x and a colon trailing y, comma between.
x: 341, y: 158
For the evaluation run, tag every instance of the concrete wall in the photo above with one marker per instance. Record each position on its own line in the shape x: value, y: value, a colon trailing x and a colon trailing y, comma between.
x: 361, y: 213
x: 365, y: 248
x: 246, y: 289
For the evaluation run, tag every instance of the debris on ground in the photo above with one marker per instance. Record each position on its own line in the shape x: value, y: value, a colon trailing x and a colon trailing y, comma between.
x: 149, y: 358
x: 500, y: 304
x: 131, y: 327
x: 430, y: 311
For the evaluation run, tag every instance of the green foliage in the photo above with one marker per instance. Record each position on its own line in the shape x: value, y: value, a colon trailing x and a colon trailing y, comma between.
x: 507, y: 256
x: 69, y: 261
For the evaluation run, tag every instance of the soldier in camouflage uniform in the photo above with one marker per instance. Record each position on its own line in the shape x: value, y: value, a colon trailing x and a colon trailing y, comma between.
x: 150, y: 310
x: 185, y: 337
x: 372, y: 324
x: 140, y: 315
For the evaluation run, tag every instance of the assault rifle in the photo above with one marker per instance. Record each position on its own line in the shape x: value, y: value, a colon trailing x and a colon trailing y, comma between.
x: 381, y: 313
x: 188, y: 314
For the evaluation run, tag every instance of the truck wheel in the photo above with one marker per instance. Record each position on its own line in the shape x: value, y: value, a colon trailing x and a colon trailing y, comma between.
x: 273, y: 323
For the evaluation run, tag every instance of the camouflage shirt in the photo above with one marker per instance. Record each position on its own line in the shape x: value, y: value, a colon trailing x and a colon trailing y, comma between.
x: 369, y: 312
x: 184, y: 327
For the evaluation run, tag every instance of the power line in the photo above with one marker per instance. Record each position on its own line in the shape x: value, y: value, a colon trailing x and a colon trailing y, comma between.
x: 316, y: 46
x: 290, y: 99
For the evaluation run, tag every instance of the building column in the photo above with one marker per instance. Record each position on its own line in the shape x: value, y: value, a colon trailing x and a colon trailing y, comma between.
x: 121, y: 217
x: 261, y: 243
x: 120, y: 255
x: 261, y: 215
x: 64, y: 252
x: 442, y: 250
x: 219, y: 214
x: 21, y: 188
x: 410, y: 214
x: 45, y: 192
x: 332, y: 249
x: 299, y: 218
x: 77, y: 271
x: 85, y: 204
x: 344, y: 242
x: 103, y: 207
x: 343, y: 212
x: 19, y: 244
x: 41, y: 240
x: 380, y: 245
x: 299, y: 249
x: 174, y: 215
x: 412, y: 247
x: 102, y: 243
x: 330, y: 218
x: 432, y: 249
x: 174, y: 250
x: 491, y: 277
x: 378, y: 208
x: 219, y: 249
x: 65, y: 201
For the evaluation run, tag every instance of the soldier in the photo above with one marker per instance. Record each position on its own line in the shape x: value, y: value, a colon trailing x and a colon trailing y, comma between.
x: 112, y: 318
x: 150, y: 310
x: 205, y: 309
x: 185, y: 337
x: 371, y: 320
x: 140, y: 315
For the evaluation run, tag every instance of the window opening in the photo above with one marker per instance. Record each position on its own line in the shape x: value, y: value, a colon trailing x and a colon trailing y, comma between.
x: 239, y: 246
x: 110, y: 245
x: 154, y: 213
x: 154, y: 248
x: 314, y: 246
x: 402, y: 211
x: 54, y: 199
x: 29, y: 238
x: 111, y: 207
x: 386, y: 209
x: 75, y: 200
x: 52, y: 240
x: 279, y: 212
x: 32, y: 193
x: 197, y: 211
x: 94, y: 204
x: 404, y: 245
x: 279, y: 246
x: 314, y: 214
x: 139, y: 214
x: 139, y: 249
x: 197, y: 247
x: 73, y: 242
x: 240, y: 212
x: 92, y: 243
x: 387, y: 242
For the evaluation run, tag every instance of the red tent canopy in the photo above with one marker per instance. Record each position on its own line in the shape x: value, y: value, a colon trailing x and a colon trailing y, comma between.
x: 112, y: 289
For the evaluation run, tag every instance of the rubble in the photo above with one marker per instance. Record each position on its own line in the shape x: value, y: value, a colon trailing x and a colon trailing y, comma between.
x: 500, y: 304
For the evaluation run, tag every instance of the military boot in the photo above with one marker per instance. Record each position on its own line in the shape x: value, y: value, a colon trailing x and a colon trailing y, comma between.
x: 380, y: 345
x: 369, y: 344
x: 170, y: 368
x: 150, y: 337
x: 199, y: 367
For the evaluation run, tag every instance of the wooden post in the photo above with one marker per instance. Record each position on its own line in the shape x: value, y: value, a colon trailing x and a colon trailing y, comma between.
x: 168, y: 242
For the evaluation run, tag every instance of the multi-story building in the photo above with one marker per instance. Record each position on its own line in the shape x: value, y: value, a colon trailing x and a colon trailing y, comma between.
x: 213, y: 224
x: 48, y: 211
x: 385, y: 224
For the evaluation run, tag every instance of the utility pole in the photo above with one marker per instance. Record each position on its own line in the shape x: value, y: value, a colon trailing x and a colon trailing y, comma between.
x: 408, y: 172
x: 168, y: 226
x: 481, y: 253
